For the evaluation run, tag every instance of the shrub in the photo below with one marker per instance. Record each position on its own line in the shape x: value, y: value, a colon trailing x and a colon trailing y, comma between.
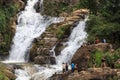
x: 61, y: 31
x: 6, y: 12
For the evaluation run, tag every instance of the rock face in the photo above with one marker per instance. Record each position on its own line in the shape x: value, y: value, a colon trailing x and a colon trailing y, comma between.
x: 6, y: 72
x: 82, y: 56
x: 105, y: 73
x: 55, y: 35
x: 95, y: 74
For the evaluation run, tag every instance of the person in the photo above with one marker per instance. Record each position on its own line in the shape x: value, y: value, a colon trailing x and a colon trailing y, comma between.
x: 104, y: 40
x: 66, y: 67
x: 63, y: 65
x: 72, y: 67
x: 97, y: 41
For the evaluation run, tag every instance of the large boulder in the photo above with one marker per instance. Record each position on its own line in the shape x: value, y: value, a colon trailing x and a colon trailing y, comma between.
x: 82, y: 56
x: 44, y: 60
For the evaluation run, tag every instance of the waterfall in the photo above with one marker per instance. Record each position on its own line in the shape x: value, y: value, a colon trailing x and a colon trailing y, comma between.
x: 76, y: 39
x: 52, y: 51
x: 30, y: 25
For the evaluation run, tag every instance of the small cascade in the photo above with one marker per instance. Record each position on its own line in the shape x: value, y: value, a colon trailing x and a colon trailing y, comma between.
x: 30, y: 25
x: 52, y: 51
x: 41, y: 5
x: 76, y: 39
x: 22, y: 74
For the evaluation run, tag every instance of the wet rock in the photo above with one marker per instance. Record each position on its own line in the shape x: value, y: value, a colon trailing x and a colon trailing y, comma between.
x: 9, y: 74
x: 44, y: 60
x: 39, y: 60
x: 57, y: 77
x: 43, y: 52
x: 52, y: 60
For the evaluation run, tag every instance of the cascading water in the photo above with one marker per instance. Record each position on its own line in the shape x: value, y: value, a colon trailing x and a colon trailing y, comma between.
x: 41, y: 5
x: 30, y: 25
x: 76, y: 39
x: 52, y: 51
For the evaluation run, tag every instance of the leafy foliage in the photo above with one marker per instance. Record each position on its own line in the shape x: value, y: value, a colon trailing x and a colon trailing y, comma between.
x: 95, y: 58
x: 55, y: 8
x: 98, y: 27
x: 6, y: 12
x: 104, y: 18
x: 2, y: 75
x: 61, y: 31
x: 111, y: 58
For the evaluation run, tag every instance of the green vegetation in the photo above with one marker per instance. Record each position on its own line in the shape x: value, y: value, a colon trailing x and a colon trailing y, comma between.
x: 95, y: 58
x: 62, y: 30
x: 2, y: 74
x: 104, y: 19
x: 53, y: 8
x: 6, y: 12
x: 3, y: 77
x: 111, y: 58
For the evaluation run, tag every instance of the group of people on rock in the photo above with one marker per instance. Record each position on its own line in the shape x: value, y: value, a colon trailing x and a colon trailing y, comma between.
x: 65, y: 67
x: 98, y: 41
x: 103, y: 64
x: 73, y: 66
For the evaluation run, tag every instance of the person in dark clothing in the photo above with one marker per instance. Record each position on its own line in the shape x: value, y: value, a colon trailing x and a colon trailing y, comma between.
x: 66, y: 67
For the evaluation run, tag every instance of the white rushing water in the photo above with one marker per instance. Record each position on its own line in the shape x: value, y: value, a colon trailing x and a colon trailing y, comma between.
x: 30, y: 25
x: 76, y: 39
x: 52, y: 51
